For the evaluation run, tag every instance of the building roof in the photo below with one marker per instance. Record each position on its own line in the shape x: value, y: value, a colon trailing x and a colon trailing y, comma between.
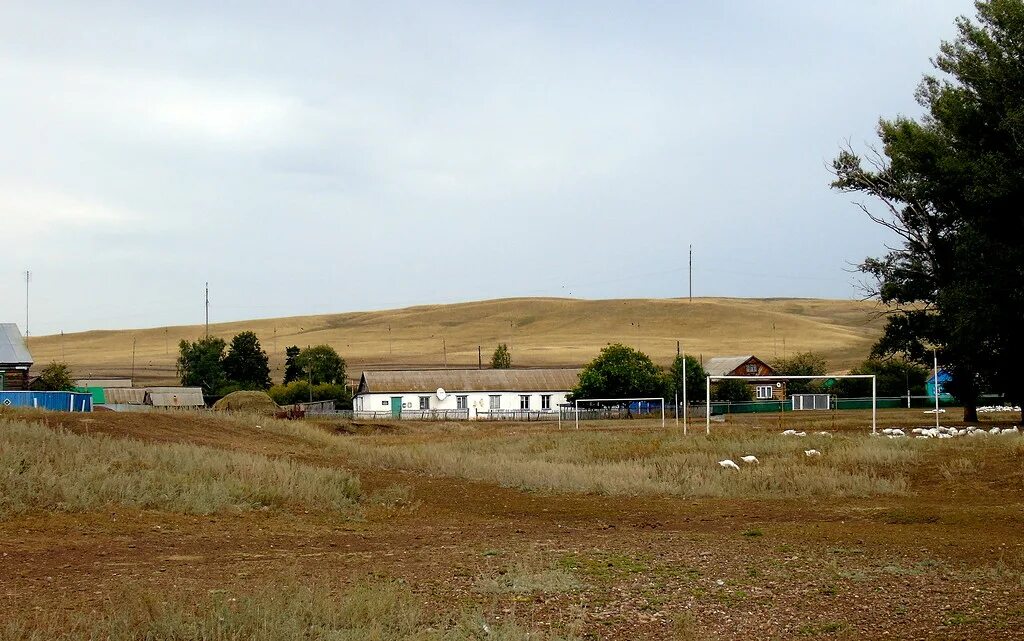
x: 725, y: 365
x: 124, y: 395
x: 175, y: 397
x: 468, y: 380
x: 12, y: 346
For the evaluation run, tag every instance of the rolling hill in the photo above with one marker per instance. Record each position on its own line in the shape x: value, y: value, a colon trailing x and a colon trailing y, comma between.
x: 539, y: 331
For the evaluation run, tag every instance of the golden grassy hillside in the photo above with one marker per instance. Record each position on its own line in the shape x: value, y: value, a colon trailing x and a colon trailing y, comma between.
x: 540, y: 331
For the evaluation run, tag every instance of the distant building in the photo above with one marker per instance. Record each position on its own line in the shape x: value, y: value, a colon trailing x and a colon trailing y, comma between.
x: 15, y: 359
x: 175, y: 397
x: 462, y: 393
x: 944, y: 379
x: 749, y: 365
x: 136, y: 399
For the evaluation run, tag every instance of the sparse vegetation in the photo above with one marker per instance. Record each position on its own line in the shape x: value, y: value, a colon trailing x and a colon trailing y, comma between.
x: 54, y: 470
x: 379, y: 611
x: 661, y: 463
x: 523, y: 579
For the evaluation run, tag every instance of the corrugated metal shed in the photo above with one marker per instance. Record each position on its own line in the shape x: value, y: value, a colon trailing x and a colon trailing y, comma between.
x: 175, y: 397
x: 724, y: 365
x: 124, y: 396
x: 12, y: 346
x: 56, y: 401
x: 469, y: 380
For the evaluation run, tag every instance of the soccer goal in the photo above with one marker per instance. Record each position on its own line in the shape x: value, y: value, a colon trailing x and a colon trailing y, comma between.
x: 760, y: 379
x: 617, y: 408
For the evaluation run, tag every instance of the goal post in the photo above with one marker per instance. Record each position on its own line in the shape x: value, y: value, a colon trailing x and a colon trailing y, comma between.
x: 617, y: 401
x: 874, y: 391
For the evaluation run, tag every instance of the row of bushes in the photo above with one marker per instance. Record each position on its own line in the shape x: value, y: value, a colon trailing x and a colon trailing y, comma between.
x: 300, y: 392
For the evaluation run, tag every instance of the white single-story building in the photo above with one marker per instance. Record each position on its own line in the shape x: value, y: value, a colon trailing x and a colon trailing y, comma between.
x: 462, y: 393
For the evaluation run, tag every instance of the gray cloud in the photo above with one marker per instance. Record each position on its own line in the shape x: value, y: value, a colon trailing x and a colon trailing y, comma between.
x: 330, y: 157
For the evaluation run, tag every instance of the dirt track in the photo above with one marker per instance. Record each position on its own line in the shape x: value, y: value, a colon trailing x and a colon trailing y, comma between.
x: 922, y: 567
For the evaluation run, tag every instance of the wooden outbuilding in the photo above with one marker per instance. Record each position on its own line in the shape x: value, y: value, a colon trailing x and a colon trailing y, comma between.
x: 15, y: 359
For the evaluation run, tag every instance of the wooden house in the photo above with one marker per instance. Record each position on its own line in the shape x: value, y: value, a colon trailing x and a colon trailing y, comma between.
x: 752, y: 366
x: 15, y: 359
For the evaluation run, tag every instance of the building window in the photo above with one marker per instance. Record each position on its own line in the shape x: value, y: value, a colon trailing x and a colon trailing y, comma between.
x: 764, y: 392
x: 495, y: 401
x: 524, y: 401
x: 462, y: 402
x: 545, y: 401
x: 424, y: 402
x: 751, y: 368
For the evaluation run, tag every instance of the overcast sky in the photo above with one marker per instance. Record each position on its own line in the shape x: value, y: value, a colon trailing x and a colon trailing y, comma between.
x: 330, y: 157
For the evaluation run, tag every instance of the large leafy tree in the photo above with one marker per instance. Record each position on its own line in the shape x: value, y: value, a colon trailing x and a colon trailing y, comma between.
x: 246, y: 364
x: 696, y: 378
x: 801, y: 364
x: 201, y: 364
x: 620, y: 372
x: 55, y: 377
x: 893, y: 377
x: 321, y: 364
x: 951, y: 184
x: 292, y: 371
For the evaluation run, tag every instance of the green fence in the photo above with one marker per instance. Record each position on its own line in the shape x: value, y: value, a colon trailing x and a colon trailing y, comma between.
x: 920, y: 402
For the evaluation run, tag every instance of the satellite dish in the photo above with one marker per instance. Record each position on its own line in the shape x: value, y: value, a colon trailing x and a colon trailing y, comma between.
x: 779, y: 384
x: 441, y: 394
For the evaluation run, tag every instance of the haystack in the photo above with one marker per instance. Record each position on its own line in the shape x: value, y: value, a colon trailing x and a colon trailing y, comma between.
x: 242, y: 401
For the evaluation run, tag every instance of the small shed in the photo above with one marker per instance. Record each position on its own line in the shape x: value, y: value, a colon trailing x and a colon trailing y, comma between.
x: 752, y: 366
x: 15, y: 359
x: 175, y: 397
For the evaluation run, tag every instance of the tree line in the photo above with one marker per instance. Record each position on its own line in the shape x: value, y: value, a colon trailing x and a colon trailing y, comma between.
x: 623, y: 372
x: 314, y: 373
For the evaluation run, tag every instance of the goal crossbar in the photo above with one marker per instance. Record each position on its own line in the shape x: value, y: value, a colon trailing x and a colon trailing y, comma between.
x: 874, y: 391
x: 627, y: 401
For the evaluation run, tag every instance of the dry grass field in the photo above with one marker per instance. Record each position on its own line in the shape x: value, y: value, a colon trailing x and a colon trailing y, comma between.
x: 199, y: 526
x: 540, y: 331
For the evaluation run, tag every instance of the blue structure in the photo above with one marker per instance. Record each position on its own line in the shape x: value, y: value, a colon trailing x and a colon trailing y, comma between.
x: 944, y: 378
x: 55, y: 401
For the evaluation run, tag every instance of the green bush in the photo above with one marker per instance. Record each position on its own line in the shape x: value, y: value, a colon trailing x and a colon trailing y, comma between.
x: 299, y: 392
x: 731, y: 390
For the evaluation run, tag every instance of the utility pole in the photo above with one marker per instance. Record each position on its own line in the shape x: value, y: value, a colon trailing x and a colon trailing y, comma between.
x: 28, y: 276
x: 207, y: 309
x: 133, y: 360
x: 390, y: 351
x: 62, y: 357
x: 444, y: 350
x: 935, y: 387
x: 479, y: 357
x: 691, y: 272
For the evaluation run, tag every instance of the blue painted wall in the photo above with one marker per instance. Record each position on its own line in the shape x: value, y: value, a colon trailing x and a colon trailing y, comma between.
x: 56, y: 401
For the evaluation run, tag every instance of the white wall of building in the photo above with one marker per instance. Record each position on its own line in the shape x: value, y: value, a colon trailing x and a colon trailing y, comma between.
x: 476, y: 401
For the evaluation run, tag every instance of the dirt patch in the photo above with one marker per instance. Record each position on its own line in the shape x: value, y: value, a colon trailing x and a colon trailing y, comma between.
x: 641, y: 567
